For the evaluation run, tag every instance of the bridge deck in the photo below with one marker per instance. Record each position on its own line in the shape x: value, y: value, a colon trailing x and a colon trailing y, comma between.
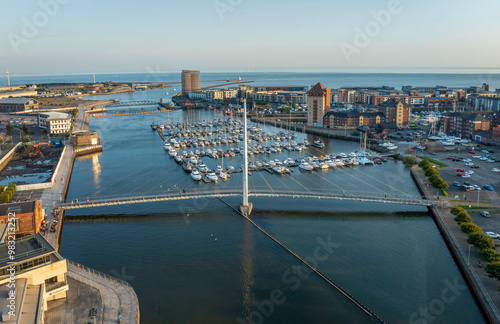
x: 271, y: 194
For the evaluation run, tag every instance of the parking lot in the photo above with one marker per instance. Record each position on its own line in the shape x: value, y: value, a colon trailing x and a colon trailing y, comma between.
x: 481, y: 176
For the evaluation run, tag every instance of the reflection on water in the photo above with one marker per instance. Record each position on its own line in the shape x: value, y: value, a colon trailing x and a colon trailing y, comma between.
x: 96, y: 168
x: 248, y: 272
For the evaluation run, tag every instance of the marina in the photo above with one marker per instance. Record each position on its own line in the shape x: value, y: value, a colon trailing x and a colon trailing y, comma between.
x: 194, y: 143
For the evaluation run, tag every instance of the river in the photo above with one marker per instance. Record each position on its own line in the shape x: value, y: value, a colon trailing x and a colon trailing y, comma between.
x: 391, y: 258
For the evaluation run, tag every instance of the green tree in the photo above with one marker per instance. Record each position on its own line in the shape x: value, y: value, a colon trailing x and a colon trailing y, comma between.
x: 457, y: 210
x: 463, y: 218
x: 410, y: 160
x: 424, y: 163
x: 469, y: 228
x: 490, y: 255
x: 439, y: 183
x: 428, y: 171
x: 294, y: 105
x: 26, y: 139
x: 9, y: 129
x: 481, y: 240
x: 493, y: 270
x: 4, y: 198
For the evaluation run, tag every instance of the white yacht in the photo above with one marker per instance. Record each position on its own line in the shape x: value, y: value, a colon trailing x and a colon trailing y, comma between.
x: 363, y: 160
x: 212, y: 176
x: 388, y: 146
x: 305, y: 166
x: 195, y: 174
x: 172, y: 152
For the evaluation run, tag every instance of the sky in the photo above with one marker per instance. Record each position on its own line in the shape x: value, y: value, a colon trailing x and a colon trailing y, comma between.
x: 111, y: 36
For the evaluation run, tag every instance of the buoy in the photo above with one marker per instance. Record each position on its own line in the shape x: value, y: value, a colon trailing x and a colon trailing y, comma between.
x: 211, y: 235
x: 215, y: 239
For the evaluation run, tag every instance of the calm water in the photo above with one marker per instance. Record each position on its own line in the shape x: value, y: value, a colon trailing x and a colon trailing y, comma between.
x: 391, y: 258
x: 419, y: 77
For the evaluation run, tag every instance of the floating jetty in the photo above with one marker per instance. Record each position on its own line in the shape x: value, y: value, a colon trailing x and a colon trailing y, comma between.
x: 134, y: 113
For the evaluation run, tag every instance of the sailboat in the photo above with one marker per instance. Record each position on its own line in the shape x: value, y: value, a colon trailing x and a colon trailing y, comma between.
x: 222, y: 174
x: 153, y: 125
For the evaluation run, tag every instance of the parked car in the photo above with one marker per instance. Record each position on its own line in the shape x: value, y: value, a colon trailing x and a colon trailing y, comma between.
x: 492, y: 234
x: 465, y: 175
x: 476, y: 187
x: 485, y: 214
x: 468, y: 188
x: 459, y: 174
x: 462, y: 170
x: 488, y: 187
x: 495, y: 170
x: 472, y: 152
x: 475, y: 166
x: 467, y: 183
x: 456, y: 184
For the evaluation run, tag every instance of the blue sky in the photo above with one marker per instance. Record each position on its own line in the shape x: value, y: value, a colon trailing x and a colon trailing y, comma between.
x: 235, y: 35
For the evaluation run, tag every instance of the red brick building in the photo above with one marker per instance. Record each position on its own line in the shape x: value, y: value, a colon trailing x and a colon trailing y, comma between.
x: 18, y: 104
x: 318, y: 104
x: 464, y: 124
x: 335, y: 119
x: 441, y: 102
x: 396, y: 112
x: 28, y: 216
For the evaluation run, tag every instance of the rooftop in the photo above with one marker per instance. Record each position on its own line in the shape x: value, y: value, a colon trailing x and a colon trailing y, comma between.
x: 28, y: 247
x: 55, y: 115
x: 19, y: 101
x: 318, y: 89
x: 18, y: 207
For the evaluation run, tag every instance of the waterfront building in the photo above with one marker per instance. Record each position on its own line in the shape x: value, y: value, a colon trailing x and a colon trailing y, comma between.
x: 18, y: 104
x: 216, y: 94
x: 190, y: 81
x: 480, y: 102
x: 341, y: 96
x: 298, y: 97
x: 464, y: 124
x: 440, y: 102
x: 40, y: 276
x: 197, y: 94
x: 335, y: 119
x: 55, y: 122
x: 318, y: 104
x: 28, y: 216
x: 396, y: 112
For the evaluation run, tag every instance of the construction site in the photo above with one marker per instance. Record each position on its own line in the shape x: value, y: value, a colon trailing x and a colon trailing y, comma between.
x: 31, y: 164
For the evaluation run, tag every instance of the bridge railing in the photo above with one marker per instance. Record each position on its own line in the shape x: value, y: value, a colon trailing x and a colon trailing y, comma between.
x: 261, y: 191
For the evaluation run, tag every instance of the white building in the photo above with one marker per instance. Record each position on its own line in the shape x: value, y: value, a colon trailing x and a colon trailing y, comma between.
x: 55, y: 122
x: 197, y: 95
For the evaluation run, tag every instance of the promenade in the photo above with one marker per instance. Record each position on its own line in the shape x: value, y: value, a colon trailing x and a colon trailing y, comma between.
x: 118, y: 298
x: 486, y: 288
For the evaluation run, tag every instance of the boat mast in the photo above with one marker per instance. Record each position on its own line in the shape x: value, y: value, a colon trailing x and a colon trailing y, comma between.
x: 245, y: 207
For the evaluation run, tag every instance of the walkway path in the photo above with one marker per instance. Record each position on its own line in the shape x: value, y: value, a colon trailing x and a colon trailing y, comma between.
x: 118, y: 297
x: 55, y: 194
x: 487, y: 287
